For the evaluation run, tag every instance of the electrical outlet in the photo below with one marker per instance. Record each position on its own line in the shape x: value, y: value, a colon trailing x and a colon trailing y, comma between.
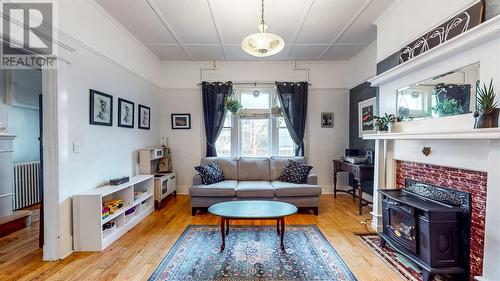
x: 76, y: 147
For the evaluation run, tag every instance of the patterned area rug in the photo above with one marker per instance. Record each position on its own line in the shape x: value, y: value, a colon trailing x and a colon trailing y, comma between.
x: 400, y: 264
x: 252, y: 253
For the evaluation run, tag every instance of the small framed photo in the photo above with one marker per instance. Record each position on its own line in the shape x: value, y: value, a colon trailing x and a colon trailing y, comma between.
x: 144, y: 117
x: 126, y: 110
x: 101, y: 108
x: 366, y: 111
x: 326, y: 119
x: 181, y: 121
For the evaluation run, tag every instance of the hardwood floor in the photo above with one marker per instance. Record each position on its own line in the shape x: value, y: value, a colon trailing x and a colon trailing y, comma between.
x: 136, y: 254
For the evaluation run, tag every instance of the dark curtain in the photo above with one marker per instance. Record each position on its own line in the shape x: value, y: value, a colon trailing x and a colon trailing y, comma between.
x: 214, y: 94
x: 293, y: 99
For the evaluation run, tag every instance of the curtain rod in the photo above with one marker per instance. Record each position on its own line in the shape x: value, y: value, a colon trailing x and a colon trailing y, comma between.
x: 255, y: 83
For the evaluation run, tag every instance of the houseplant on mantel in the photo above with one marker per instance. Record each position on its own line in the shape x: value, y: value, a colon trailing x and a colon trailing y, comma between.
x: 487, y: 112
x: 385, y: 123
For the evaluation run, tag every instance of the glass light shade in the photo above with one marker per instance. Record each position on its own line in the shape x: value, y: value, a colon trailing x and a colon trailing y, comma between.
x: 262, y: 44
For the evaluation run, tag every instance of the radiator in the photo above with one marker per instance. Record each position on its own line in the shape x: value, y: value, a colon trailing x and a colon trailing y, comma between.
x: 26, y: 184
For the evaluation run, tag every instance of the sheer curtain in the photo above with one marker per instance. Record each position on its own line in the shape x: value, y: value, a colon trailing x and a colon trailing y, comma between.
x: 293, y: 99
x: 214, y: 94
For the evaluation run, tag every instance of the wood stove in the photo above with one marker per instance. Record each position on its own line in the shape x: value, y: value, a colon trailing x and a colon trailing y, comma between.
x: 430, y: 225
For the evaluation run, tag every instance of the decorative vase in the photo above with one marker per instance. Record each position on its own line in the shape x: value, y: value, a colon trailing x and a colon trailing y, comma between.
x: 389, y: 127
x: 486, y: 118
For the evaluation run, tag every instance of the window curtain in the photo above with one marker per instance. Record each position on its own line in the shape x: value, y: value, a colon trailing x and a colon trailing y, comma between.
x: 293, y: 99
x: 214, y: 112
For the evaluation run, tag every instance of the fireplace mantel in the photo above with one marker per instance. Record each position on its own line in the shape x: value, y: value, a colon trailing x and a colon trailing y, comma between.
x: 471, y: 134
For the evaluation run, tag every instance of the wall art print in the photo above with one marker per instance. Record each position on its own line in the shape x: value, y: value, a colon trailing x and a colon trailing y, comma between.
x: 101, y: 108
x: 457, y: 25
x: 144, y: 117
x: 126, y: 110
x: 366, y: 110
x: 181, y: 121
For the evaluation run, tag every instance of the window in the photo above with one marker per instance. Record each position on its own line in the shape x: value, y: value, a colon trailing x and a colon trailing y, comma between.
x: 255, y: 132
x: 223, y: 144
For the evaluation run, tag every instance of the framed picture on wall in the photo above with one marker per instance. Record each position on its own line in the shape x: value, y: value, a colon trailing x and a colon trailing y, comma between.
x: 144, y: 117
x: 101, y: 108
x: 126, y: 110
x: 326, y: 119
x: 366, y: 111
x: 181, y: 121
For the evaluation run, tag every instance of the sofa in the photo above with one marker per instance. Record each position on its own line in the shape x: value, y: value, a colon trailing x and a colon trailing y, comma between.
x: 254, y: 178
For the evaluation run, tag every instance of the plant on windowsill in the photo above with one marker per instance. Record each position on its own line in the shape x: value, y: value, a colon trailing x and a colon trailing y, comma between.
x: 385, y: 123
x: 233, y: 105
x: 448, y: 107
x: 487, y: 112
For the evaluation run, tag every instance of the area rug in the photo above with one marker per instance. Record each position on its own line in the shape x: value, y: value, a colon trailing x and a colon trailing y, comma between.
x: 252, y: 253
x: 400, y: 264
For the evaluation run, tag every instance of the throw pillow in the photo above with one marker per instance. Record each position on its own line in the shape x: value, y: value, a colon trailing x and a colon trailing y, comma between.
x: 295, y: 172
x: 211, y: 173
x: 219, y: 173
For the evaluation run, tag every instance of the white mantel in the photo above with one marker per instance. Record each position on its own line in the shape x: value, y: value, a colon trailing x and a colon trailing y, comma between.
x: 470, y: 134
x: 453, y: 141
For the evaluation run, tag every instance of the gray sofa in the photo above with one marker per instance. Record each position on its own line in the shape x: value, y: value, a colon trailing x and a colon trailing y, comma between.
x: 254, y: 178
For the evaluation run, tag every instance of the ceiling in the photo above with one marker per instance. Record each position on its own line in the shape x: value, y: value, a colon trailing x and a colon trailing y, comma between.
x: 213, y: 29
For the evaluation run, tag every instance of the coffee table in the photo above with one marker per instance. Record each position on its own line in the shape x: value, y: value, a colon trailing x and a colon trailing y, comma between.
x: 252, y: 210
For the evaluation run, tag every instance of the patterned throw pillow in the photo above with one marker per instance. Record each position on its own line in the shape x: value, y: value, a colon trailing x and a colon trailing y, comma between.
x: 211, y: 173
x: 295, y: 172
x: 219, y: 173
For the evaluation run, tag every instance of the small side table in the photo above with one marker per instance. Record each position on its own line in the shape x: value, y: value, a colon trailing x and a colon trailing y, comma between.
x: 361, y: 172
x: 165, y: 184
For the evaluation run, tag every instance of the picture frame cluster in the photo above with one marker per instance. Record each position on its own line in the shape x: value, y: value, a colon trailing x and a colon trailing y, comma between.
x: 101, y: 112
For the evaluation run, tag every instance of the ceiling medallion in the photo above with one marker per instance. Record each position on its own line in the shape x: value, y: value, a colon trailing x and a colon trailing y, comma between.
x: 262, y: 44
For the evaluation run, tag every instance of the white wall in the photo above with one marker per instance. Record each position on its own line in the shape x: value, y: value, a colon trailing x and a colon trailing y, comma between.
x: 88, y: 24
x: 363, y: 66
x: 24, y: 124
x: 410, y: 19
x: 107, y: 59
x: 327, y: 93
x: 25, y: 86
x: 474, y: 155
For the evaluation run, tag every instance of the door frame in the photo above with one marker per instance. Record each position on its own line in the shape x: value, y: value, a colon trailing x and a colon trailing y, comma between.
x: 51, y: 165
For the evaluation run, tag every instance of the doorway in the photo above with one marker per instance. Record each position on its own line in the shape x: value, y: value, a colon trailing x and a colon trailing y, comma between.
x: 23, y: 118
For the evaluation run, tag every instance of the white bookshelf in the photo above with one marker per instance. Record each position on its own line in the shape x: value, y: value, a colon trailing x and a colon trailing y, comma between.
x: 88, y: 234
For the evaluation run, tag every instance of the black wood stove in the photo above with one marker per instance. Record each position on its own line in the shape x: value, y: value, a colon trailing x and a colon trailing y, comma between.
x: 430, y: 225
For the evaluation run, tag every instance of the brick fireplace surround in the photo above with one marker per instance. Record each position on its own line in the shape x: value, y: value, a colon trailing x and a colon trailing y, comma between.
x: 459, y: 179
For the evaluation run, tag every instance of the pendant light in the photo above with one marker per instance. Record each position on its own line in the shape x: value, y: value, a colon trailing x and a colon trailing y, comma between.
x: 262, y: 44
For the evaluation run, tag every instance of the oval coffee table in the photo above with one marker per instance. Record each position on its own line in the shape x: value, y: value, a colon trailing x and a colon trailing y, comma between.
x: 252, y: 210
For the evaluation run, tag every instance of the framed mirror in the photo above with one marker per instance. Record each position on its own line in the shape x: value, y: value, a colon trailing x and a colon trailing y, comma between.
x: 449, y: 94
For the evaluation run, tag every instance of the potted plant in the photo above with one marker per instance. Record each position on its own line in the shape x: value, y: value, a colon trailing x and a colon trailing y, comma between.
x: 277, y: 112
x: 233, y: 105
x: 385, y: 122
x: 448, y: 107
x: 487, y: 112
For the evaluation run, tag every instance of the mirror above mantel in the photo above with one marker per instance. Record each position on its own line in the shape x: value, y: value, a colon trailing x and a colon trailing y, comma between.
x: 448, y: 94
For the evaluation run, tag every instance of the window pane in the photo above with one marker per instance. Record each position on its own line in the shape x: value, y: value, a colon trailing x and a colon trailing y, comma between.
x: 255, y: 137
x: 228, y: 121
x: 223, y: 144
x: 286, y: 145
x: 255, y: 100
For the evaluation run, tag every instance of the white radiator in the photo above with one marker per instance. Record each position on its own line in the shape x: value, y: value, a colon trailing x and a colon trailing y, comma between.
x: 26, y: 184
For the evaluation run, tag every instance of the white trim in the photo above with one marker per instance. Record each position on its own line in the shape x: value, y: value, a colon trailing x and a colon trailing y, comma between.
x: 485, y: 32
x: 491, y: 133
x: 50, y: 165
